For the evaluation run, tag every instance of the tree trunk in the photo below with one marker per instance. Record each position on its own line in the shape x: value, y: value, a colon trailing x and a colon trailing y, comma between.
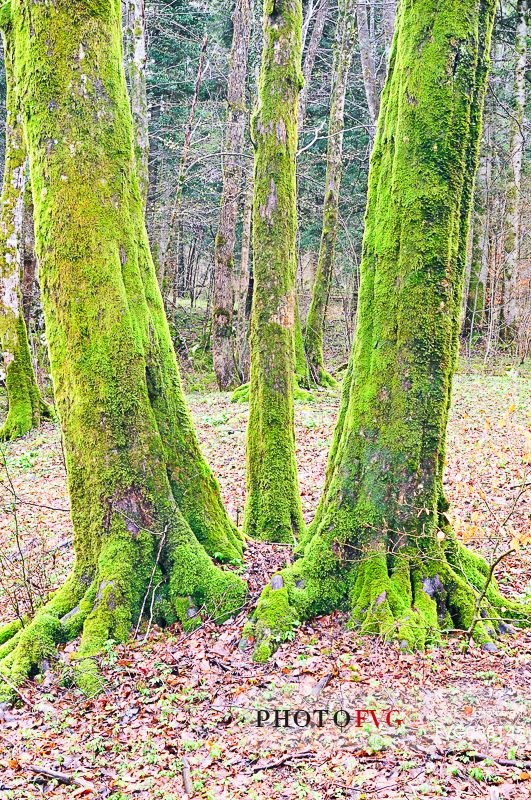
x: 381, y: 544
x: 223, y: 339
x: 135, y: 51
x: 26, y: 406
x: 514, y: 195
x: 145, y: 507
x: 175, y: 219
x: 368, y: 69
x: 245, y: 287
x: 273, y: 507
x: 309, y: 59
x: 388, y: 19
x: 29, y: 262
x: 313, y: 340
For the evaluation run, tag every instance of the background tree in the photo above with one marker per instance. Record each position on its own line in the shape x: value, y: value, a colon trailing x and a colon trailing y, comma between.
x: 223, y: 343
x: 135, y: 50
x: 26, y: 406
x: 313, y: 339
x: 273, y: 507
x: 516, y: 154
x: 381, y: 543
x: 145, y: 508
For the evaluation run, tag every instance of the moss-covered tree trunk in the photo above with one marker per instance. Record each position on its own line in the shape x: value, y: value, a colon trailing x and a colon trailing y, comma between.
x: 146, y: 510
x: 223, y: 333
x: 313, y: 339
x: 381, y: 544
x: 26, y: 406
x: 273, y: 507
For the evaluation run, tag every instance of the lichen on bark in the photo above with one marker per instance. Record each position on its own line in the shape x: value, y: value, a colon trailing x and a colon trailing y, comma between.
x: 381, y: 546
x: 273, y: 506
x: 146, y: 509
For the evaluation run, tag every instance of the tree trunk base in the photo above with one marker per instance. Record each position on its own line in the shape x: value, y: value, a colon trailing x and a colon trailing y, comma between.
x: 129, y: 586
x: 322, y: 378
x: 412, y: 598
x: 241, y: 394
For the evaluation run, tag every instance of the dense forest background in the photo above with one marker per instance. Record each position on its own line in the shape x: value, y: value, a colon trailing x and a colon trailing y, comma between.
x: 184, y: 37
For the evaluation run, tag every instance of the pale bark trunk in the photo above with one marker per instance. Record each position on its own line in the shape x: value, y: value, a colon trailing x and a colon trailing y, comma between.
x: 135, y: 53
x: 309, y: 59
x: 223, y: 344
x: 368, y: 68
x: 514, y: 195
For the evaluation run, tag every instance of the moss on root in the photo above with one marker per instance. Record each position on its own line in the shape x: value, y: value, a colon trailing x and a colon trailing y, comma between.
x: 407, y: 598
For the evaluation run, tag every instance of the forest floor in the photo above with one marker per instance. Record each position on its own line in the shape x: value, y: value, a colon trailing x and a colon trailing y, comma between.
x: 186, y: 704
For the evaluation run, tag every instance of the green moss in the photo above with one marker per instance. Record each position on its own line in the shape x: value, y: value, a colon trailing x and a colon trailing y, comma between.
x: 373, y: 544
x: 9, y: 630
x: 273, y: 508
x: 26, y: 407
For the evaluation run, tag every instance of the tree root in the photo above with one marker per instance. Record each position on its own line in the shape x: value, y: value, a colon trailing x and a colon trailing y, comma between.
x: 105, y: 606
x: 408, y: 597
x: 241, y: 394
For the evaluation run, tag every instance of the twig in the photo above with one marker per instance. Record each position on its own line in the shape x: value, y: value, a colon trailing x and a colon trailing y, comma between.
x: 187, y: 777
x: 481, y: 597
x: 503, y: 762
x: 155, y: 565
x: 17, y: 691
x: 62, y: 777
x: 286, y: 759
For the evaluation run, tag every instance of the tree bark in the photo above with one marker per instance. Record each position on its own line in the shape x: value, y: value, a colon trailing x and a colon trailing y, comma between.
x: 26, y: 406
x: 175, y: 219
x: 381, y: 544
x: 273, y: 507
x: 388, y: 19
x: 223, y: 338
x: 368, y: 69
x: 245, y: 288
x: 145, y: 507
x: 313, y: 340
x: 514, y: 195
x: 135, y: 52
x: 309, y: 59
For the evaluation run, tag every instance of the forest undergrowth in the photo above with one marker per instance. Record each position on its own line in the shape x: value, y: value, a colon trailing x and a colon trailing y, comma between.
x: 181, y: 705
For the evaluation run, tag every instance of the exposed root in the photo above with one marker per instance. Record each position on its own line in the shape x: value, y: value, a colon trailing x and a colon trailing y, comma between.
x: 186, y: 586
x: 300, y: 394
x: 408, y: 597
x: 321, y: 377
